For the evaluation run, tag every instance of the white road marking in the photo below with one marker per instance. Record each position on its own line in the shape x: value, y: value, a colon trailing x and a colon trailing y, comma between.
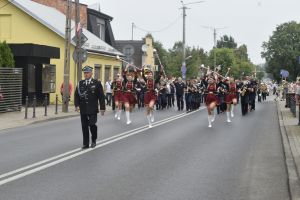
x: 65, y: 156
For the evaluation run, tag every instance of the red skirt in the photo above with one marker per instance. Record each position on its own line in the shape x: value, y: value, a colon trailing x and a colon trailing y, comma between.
x: 229, y: 97
x: 211, y: 98
x: 118, y: 95
x: 128, y: 97
x: 149, y: 96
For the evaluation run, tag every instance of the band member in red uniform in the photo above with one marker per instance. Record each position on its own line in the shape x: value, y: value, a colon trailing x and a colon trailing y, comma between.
x: 211, y: 99
x: 118, y: 95
x: 231, y: 99
x: 150, y: 95
x: 130, y: 79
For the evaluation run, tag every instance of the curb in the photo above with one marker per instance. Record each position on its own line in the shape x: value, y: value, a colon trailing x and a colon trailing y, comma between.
x: 293, y: 176
x: 47, y: 120
x: 55, y: 118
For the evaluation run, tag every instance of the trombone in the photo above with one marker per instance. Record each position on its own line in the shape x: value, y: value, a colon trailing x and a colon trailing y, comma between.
x: 124, y: 61
x: 215, y: 72
x: 155, y: 52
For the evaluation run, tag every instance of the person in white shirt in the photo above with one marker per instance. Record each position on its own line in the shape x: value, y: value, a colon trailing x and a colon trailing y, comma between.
x: 108, y: 92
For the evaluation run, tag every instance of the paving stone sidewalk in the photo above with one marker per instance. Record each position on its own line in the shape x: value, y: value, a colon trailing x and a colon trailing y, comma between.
x: 291, y: 140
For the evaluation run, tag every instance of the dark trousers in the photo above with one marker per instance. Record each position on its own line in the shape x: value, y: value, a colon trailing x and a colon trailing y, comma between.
x: 180, y: 103
x: 252, y: 98
x: 188, y: 101
x: 88, y: 123
x: 140, y: 99
x: 264, y: 96
x: 108, y: 98
x: 169, y: 100
x: 244, y: 104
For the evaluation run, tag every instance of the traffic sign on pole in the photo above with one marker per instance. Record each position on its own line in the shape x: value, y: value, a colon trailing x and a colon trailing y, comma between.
x: 83, y: 39
x: 80, y: 56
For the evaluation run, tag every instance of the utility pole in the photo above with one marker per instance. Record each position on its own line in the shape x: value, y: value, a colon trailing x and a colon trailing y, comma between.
x: 214, y: 29
x: 215, y: 46
x: 132, y: 26
x: 66, y: 94
x: 183, y: 67
x: 183, y: 34
x: 78, y: 40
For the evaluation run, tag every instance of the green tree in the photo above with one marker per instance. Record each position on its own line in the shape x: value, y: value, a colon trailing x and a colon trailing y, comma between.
x: 226, y: 42
x: 174, y: 60
x: 225, y: 57
x: 283, y: 49
x: 241, y: 53
x: 6, y: 56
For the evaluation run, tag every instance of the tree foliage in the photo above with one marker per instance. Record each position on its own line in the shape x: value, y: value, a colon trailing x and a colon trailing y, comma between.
x: 6, y: 56
x: 226, y: 42
x: 234, y: 57
x: 283, y: 49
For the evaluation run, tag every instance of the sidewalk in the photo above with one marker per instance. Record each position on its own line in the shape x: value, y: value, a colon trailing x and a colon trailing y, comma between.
x: 16, y: 119
x: 290, y: 131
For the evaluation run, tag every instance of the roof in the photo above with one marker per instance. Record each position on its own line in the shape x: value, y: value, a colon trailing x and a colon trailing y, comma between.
x: 99, y: 14
x: 55, y: 21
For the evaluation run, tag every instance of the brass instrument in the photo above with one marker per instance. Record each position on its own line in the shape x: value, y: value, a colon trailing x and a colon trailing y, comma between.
x: 244, y: 90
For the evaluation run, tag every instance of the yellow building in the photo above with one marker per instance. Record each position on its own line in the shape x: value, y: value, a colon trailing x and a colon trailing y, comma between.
x: 37, y: 34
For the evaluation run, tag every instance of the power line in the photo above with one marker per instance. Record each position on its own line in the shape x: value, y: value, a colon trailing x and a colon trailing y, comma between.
x: 160, y: 30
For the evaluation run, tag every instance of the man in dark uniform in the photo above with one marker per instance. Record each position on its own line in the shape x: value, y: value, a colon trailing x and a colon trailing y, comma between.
x: 88, y: 95
x: 179, y: 85
x: 244, y: 92
x: 252, y: 93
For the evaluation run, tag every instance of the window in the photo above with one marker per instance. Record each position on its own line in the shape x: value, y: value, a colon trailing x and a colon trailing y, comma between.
x: 107, y: 72
x: 101, y: 29
x: 98, y: 74
x: 116, y: 70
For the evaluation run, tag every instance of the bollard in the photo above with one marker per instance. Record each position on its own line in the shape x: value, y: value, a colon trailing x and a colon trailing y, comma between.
x: 46, y: 104
x: 56, y: 104
x: 34, y: 105
x: 26, y: 107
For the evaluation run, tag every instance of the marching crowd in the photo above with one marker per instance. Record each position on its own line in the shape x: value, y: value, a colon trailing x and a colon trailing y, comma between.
x: 138, y: 87
x: 156, y: 91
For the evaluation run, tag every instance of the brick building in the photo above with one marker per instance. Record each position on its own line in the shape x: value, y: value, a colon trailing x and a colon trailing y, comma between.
x: 61, y: 5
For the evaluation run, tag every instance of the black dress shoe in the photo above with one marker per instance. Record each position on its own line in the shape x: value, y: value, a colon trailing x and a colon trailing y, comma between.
x: 93, y: 144
x: 84, y: 147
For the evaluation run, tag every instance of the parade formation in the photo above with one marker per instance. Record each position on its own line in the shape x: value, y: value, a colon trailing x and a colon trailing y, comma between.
x: 157, y: 91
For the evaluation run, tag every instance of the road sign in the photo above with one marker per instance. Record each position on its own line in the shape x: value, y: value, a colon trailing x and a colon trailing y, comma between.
x: 183, y: 68
x: 83, y: 39
x: 82, y: 54
x: 284, y: 73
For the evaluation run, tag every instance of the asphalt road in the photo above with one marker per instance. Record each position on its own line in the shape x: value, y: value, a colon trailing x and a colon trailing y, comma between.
x: 180, y: 158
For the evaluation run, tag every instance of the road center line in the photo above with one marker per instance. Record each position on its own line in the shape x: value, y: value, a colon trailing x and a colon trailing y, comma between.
x: 66, y: 156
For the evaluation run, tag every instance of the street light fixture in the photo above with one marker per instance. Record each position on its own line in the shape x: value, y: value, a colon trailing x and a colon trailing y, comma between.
x: 188, y: 57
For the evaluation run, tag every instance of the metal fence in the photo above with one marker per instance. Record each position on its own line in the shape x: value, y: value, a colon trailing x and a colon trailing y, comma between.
x: 10, y: 89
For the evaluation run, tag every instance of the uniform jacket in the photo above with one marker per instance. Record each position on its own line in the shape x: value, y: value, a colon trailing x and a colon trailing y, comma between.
x: 88, y: 97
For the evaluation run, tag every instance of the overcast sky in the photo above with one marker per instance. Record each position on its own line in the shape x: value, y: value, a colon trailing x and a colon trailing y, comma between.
x: 250, y: 22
